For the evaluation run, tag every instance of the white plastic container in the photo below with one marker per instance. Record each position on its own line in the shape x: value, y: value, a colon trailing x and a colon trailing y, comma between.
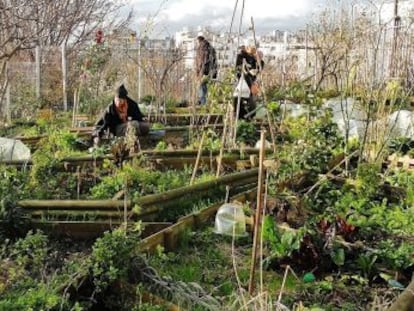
x: 230, y: 220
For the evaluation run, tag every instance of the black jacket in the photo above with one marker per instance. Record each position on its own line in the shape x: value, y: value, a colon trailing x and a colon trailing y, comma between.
x: 110, y: 118
x: 250, y: 63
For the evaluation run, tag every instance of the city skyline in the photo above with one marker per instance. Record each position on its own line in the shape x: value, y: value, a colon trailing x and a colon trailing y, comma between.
x: 165, y: 17
x: 162, y: 18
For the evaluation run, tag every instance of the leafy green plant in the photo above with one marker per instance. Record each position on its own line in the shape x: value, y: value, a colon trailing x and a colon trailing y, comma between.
x: 11, y: 178
x: 396, y: 255
x: 274, y: 108
x: 24, y: 280
x: 47, y: 175
x: 246, y: 132
x: 161, y: 145
x: 366, y: 262
x: 368, y: 179
x: 281, y: 243
x: 400, y: 145
x: 38, y: 297
x: 140, y: 180
x: 110, y: 254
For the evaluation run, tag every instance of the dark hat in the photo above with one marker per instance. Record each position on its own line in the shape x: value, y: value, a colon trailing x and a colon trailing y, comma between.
x: 200, y: 36
x: 121, y: 92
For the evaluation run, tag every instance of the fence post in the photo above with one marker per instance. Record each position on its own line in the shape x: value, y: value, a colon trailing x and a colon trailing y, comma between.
x: 139, y: 71
x: 38, y: 71
x: 64, y: 78
x: 7, y: 108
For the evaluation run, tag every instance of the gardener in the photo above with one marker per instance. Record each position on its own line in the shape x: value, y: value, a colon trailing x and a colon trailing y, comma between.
x: 123, y: 111
x: 205, y: 65
x: 249, y: 62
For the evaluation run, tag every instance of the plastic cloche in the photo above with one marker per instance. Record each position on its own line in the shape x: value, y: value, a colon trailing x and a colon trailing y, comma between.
x: 230, y: 220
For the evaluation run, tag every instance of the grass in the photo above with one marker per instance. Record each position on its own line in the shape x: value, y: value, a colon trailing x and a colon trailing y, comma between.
x: 206, y: 258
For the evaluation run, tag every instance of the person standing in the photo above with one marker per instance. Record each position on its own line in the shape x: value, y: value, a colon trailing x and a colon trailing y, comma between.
x: 248, y: 65
x: 121, y: 113
x: 205, y: 65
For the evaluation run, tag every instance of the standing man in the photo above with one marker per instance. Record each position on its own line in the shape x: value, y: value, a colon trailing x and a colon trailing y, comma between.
x: 206, y: 66
x: 116, y: 117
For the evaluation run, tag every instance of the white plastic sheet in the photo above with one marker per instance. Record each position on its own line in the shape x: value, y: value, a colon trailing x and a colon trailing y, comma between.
x: 355, y: 128
x: 12, y: 150
x: 348, y: 115
x: 292, y: 110
x: 400, y: 124
x: 345, y: 108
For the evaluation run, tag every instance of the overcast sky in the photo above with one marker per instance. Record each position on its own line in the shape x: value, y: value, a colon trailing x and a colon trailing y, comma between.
x: 168, y: 16
x: 160, y: 18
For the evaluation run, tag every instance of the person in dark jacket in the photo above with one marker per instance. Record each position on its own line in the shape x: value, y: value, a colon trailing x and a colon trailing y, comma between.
x: 123, y: 111
x: 205, y: 66
x: 248, y: 65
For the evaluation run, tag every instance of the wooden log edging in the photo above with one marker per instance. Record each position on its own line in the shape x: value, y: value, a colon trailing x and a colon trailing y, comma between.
x: 92, y: 229
x: 89, y: 218
x: 169, y: 236
x: 144, y: 202
x: 86, y: 133
x: 152, y: 155
x: 204, y: 186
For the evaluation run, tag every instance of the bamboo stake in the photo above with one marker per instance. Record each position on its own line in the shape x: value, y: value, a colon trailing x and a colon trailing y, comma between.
x: 223, y: 140
x: 74, y: 107
x: 268, y: 115
x: 258, y: 215
x: 126, y: 203
x: 200, y: 149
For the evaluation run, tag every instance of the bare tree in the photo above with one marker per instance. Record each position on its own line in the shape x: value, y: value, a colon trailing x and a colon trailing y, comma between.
x: 25, y: 24
x: 163, y: 68
x: 332, y: 41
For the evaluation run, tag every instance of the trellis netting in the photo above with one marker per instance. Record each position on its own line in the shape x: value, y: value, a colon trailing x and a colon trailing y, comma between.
x: 13, y: 149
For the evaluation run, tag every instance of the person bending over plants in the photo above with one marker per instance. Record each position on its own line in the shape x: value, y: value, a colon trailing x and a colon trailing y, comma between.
x: 121, y: 113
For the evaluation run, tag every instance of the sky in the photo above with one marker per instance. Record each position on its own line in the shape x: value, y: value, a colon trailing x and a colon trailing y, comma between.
x: 165, y: 17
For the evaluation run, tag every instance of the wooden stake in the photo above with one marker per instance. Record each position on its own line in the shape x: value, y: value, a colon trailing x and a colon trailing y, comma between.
x: 223, y: 140
x: 200, y: 149
x: 258, y: 215
x: 404, y: 302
